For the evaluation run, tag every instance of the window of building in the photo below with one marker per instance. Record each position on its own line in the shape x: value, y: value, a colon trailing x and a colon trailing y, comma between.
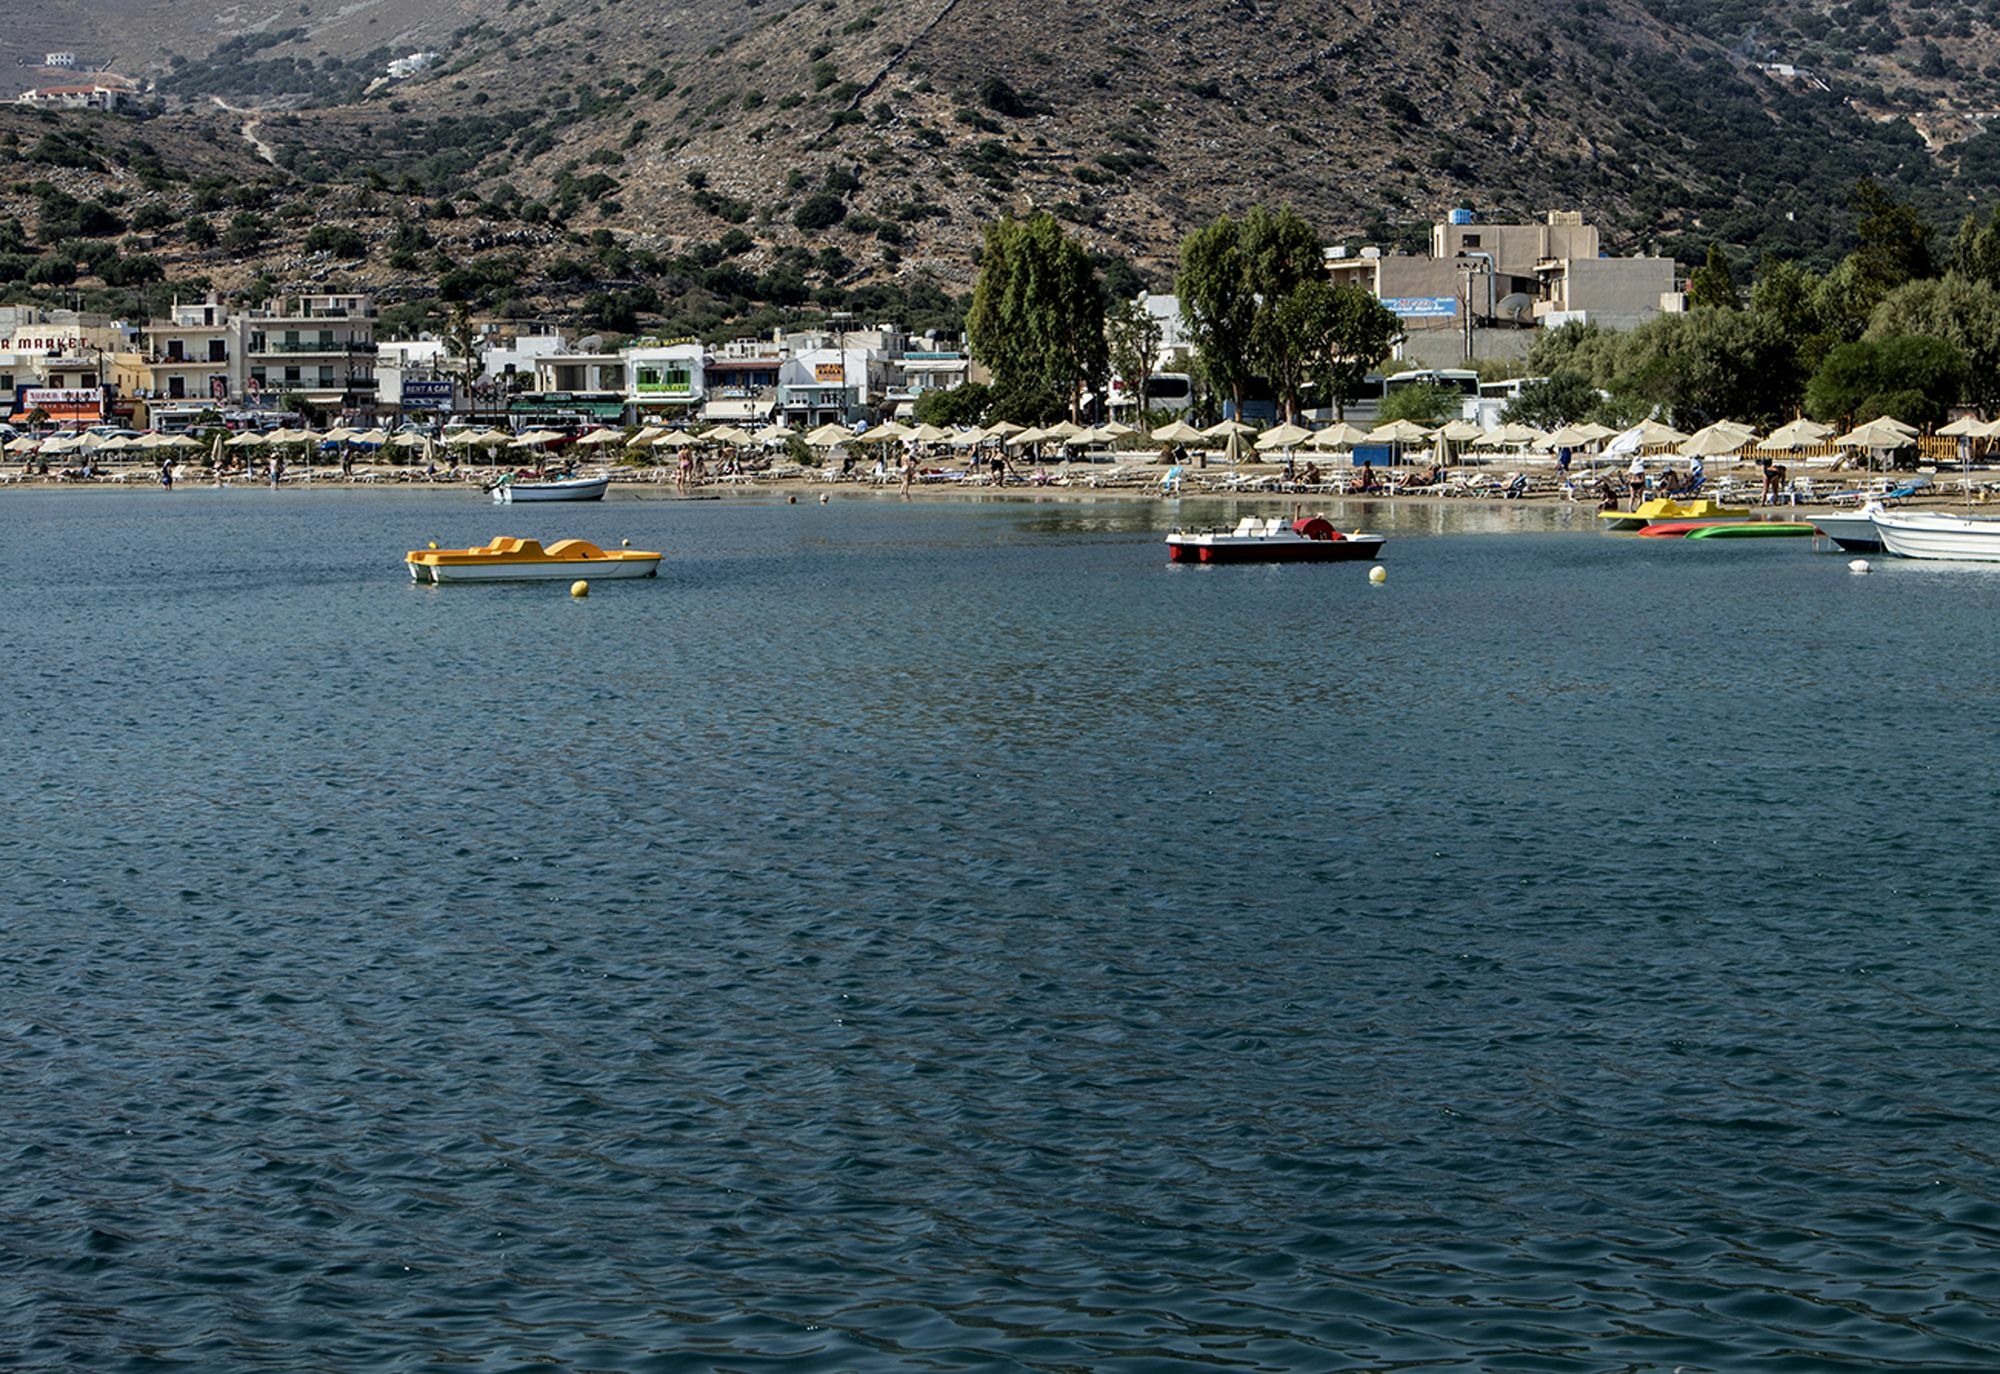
x: 1469, y: 241
x: 217, y: 351
x: 326, y: 376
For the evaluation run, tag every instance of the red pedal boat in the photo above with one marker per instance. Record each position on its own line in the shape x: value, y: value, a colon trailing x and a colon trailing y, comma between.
x: 1274, y: 540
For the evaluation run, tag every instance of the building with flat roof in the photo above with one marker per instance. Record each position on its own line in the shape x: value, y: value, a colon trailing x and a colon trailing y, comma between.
x: 1484, y: 287
x: 316, y: 344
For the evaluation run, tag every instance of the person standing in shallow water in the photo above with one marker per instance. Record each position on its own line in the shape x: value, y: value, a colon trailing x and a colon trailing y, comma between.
x: 909, y: 470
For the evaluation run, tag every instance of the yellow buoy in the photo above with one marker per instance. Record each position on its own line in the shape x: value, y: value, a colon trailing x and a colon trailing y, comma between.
x: 579, y: 588
x: 434, y: 543
x: 1378, y: 574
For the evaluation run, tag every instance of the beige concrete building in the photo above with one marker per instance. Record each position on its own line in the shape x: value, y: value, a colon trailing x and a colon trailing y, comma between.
x: 320, y: 345
x: 1484, y: 288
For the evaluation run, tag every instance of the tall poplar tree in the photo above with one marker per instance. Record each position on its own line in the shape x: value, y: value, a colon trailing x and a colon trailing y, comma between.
x: 1037, y: 319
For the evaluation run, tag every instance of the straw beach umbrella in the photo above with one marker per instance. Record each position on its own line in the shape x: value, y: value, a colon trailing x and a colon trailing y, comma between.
x: 1179, y: 432
x: 1283, y: 437
x: 1716, y: 441
x: 829, y: 436
x: 1796, y: 435
x: 599, y: 438
x: 1885, y: 433
x: 1509, y: 436
x: 1341, y: 435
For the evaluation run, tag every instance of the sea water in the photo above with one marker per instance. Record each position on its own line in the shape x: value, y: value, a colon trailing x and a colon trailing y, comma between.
x: 947, y: 936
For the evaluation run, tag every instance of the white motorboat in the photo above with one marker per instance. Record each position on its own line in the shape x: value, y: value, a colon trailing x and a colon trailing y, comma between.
x: 1855, y: 532
x: 507, y: 490
x: 1932, y: 534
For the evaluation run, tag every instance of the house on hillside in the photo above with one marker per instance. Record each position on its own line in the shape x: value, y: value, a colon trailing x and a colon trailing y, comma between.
x: 92, y: 97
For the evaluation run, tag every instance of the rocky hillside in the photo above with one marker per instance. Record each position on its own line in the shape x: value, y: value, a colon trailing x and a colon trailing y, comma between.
x: 690, y: 162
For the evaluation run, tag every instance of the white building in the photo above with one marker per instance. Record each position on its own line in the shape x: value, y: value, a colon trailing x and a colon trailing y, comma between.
x: 503, y: 362
x: 664, y: 379
x: 97, y: 97
x: 319, y: 345
x: 413, y: 64
x: 65, y: 61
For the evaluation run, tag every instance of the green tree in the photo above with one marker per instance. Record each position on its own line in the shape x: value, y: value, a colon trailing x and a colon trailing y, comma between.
x: 961, y: 405
x: 1551, y: 402
x: 1794, y: 301
x: 1132, y: 340
x: 1218, y: 303
x: 1037, y: 318
x: 1423, y: 403
x: 1895, y: 241
x: 1588, y: 350
x: 1912, y: 378
x: 1975, y: 249
x: 1294, y: 338
x: 1283, y: 256
x: 1706, y: 365
x: 461, y: 346
x: 1233, y: 277
x: 1712, y: 286
x: 1361, y: 333
x: 1962, y: 311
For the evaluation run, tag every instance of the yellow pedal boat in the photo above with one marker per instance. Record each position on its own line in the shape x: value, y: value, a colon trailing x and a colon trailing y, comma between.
x: 512, y: 560
x: 1663, y: 508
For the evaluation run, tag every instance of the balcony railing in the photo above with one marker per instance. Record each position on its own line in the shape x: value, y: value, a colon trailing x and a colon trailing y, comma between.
x: 314, y: 346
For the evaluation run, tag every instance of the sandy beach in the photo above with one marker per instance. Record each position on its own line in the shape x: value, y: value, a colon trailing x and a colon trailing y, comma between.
x: 1248, y: 483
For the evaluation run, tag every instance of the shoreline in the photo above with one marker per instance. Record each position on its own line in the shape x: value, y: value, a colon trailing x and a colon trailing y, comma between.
x: 625, y: 492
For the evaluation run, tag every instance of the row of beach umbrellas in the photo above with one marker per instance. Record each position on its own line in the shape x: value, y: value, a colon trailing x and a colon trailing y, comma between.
x: 1723, y: 438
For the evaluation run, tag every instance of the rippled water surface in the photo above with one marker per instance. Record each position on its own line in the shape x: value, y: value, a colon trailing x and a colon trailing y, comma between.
x: 948, y: 937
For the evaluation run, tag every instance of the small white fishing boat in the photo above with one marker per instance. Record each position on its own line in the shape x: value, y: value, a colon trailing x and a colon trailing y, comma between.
x: 1933, y: 534
x: 1855, y: 532
x: 507, y: 490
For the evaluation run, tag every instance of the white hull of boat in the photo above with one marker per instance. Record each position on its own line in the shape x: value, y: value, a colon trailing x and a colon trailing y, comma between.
x: 537, y: 572
x: 1853, y: 532
x: 573, y: 489
x: 1956, y: 538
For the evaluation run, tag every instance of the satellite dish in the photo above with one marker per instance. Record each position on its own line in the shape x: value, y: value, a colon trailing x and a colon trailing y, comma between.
x: 1516, y: 306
